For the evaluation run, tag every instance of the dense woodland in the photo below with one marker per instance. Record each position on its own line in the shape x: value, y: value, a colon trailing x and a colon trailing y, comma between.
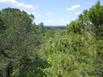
x: 31, y: 50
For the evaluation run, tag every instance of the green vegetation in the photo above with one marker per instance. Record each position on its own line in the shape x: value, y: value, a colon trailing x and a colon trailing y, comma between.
x: 30, y: 50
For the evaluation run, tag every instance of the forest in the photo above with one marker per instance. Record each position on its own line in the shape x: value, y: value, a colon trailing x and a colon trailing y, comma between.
x: 31, y: 50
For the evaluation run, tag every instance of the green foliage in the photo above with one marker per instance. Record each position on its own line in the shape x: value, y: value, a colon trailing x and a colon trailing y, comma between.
x: 96, y: 14
x: 78, y: 52
x: 18, y: 41
x: 68, y: 56
x: 74, y: 26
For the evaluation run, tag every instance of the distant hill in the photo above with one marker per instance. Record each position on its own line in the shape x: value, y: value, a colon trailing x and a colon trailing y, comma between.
x: 54, y: 27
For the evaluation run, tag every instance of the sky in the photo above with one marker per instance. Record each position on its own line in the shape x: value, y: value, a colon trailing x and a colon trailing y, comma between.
x: 51, y: 12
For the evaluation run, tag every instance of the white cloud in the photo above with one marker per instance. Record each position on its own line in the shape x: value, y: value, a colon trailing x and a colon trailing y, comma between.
x: 7, y: 1
x: 37, y: 6
x: 22, y: 5
x: 49, y: 14
x: 77, y: 13
x: 39, y: 15
x: 19, y: 4
x: 73, y: 7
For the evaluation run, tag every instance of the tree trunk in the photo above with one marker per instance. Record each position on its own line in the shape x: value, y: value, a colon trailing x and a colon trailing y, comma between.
x: 7, y: 70
x: 1, y: 73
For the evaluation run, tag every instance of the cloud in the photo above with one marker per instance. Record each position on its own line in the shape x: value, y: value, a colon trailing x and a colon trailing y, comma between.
x: 39, y: 15
x: 7, y: 1
x: 73, y: 7
x: 37, y: 6
x: 19, y: 4
x: 22, y: 5
x: 49, y: 14
x: 77, y: 13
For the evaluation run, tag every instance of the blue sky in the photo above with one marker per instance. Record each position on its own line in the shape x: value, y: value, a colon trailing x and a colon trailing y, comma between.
x: 51, y: 12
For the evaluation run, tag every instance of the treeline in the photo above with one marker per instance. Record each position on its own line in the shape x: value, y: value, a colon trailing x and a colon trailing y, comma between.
x: 30, y: 50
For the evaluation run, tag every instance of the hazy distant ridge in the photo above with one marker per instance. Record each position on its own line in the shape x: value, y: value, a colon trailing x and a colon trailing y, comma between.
x: 55, y: 27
